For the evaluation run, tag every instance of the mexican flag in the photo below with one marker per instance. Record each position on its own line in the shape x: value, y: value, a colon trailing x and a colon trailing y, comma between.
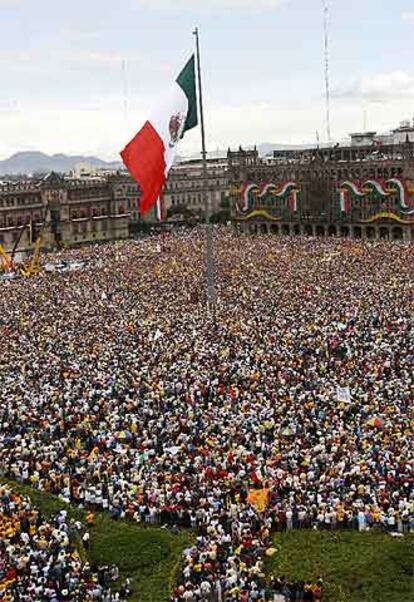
x: 149, y: 156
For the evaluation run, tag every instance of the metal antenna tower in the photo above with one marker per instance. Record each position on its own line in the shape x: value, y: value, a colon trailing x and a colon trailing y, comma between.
x: 326, y: 63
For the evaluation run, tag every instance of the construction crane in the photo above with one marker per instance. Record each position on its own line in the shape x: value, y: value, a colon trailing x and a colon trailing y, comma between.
x: 32, y: 267
x: 6, y: 262
x: 16, y: 243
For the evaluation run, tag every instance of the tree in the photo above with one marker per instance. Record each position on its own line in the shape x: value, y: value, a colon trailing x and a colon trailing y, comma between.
x: 183, y: 210
x: 223, y: 215
x: 189, y: 216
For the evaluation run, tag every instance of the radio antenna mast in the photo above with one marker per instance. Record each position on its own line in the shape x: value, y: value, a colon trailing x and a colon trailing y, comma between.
x: 326, y: 64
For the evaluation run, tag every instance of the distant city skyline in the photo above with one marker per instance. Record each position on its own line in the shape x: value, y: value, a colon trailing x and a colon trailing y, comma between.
x: 82, y: 78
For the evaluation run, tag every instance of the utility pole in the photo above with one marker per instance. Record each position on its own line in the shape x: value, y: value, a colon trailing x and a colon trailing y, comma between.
x: 125, y: 94
x: 210, y: 261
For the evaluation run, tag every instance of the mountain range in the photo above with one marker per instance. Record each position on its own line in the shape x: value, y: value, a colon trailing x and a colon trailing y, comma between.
x: 29, y: 162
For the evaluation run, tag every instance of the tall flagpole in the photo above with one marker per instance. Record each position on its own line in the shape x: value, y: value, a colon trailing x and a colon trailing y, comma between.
x: 210, y: 264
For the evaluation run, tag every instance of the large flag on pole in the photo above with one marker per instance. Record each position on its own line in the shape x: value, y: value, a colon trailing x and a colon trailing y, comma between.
x: 149, y: 156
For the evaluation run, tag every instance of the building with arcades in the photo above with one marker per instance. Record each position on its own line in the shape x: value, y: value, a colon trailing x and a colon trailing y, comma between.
x: 356, y: 190
x: 68, y: 211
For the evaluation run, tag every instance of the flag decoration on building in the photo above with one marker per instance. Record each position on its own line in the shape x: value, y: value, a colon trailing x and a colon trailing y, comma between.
x: 160, y: 208
x: 150, y: 154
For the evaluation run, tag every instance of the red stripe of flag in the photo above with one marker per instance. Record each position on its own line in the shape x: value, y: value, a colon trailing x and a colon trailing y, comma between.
x: 144, y: 159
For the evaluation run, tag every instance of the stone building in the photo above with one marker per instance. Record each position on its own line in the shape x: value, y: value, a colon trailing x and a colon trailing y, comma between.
x: 67, y: 211
x: 340, y: 191
x: 185, y: 185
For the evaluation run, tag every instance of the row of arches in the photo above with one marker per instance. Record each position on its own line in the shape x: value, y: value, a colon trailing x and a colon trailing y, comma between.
x: 345, y: 231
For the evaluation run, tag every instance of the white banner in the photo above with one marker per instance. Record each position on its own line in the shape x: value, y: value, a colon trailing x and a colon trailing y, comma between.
x: 343, y: 394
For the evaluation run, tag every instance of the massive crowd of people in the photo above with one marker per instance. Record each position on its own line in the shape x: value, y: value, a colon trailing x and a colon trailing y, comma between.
x: 40, y: 559
x: 289, y: 406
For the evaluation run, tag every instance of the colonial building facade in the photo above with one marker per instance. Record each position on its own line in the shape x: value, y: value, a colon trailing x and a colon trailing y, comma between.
x: 67, y: 211
x: 361, y: 190
x: 185, y: 185
x: 358, y: 191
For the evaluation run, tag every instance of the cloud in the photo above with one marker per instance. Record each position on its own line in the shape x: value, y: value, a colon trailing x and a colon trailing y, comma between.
x: 102, y: 128
x: 212, y: 6
x: 380, y: 88
x: 61, y: 129
x: 16, y: 56
x: 84, y: 58
x: 111, y: 60
x: 8, y: 106
x: 408, y: 16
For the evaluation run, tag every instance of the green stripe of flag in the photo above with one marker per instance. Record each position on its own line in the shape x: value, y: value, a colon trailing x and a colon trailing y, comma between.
x: 186, y: 81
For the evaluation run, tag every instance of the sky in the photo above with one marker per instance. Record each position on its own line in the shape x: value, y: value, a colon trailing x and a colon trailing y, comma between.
x: 81, y: 77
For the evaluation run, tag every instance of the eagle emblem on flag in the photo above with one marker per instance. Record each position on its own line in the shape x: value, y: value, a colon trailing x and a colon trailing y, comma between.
x: 175, y: 126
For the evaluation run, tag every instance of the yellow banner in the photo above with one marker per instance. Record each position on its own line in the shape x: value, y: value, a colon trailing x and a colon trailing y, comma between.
x: 260, y: 213
x: 258, y: 498
x: 387, y: 215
